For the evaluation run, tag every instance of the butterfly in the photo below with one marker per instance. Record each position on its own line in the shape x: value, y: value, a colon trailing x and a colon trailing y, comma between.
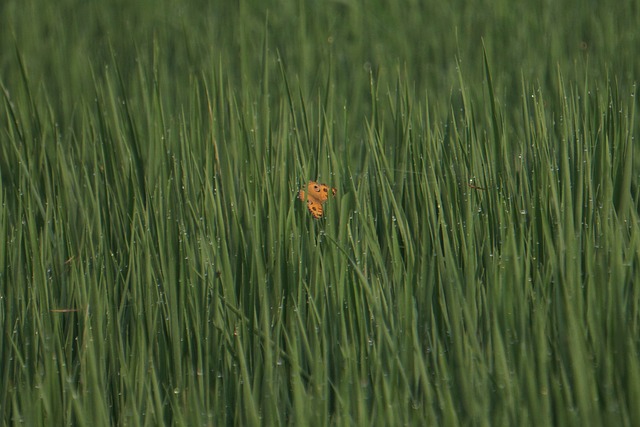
x: 315, y: 196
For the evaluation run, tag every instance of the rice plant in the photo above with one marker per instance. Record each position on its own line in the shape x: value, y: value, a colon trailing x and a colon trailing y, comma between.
x: 478, y: 264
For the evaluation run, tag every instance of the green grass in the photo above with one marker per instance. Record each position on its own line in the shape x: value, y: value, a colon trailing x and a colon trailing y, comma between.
x: 479, y: 265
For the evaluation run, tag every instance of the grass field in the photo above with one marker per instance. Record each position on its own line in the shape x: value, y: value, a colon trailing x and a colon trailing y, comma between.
x: 478, y: 266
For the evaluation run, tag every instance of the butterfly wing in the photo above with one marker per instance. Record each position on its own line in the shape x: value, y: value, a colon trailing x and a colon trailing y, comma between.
x: 316, y: 195
x: 315, y: 208
x: 319, y: 192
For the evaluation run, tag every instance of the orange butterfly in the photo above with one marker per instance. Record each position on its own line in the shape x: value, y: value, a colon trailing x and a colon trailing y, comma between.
x: 315, y: 196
